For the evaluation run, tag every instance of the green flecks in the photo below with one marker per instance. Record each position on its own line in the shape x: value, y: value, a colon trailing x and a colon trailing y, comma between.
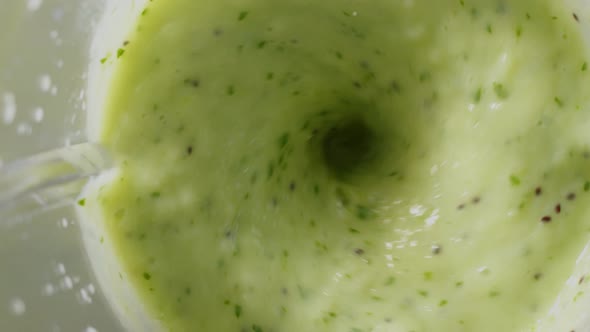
x: 587, y: 186
x: 316, y: 189
x: 459, y: 284
x: 442, y: 303
x: 518, y: 31
x: 339, y: 55
x: 423, y: 293
x: 283, y: 140
x: 144, y: 12
x: 584, y: 66
x: 425, y: 76
x: 500, y: 90
x: 120, y: 52
x: 489, y: 28
x: 242, y: 16
x: 102, y: 239
x: 155, y: 194
x: 104, y: 60
x: 238, y: 311
x: 428, y: 275
x: 353, y: 231
x: 514, y: 180
x: 355, y: 329
x: 82, y: 202
x: 119, y: 214
x: 363, y: 212
x: 558, y: 101
x: 321, y: 246
x: 147, y: 276
x: 462, y: 3
x: 230, y: 90
x: 303, y: 293
x: 477, y: 95
x: 270, y: 170
x: 389, y: 281
x: 493, y: 293
x: 257, y: 328
x: 270, y: 76
x: 261, y: 44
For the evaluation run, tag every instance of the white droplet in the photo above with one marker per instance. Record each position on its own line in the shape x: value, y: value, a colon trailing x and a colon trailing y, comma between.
x: 45, y: 82
x: 60, y: 63
x: 34, y: 5
x: 38, y: 114
x: 60, y: 269
x: 9, y: 106
x: 24, y: 129
x: 90, y: 329
x: 48, y: 290
x: 53, y: 90
x: 417, y: 210
x: 84, y: 296
x: 18, y: 306
x: 67, y: 283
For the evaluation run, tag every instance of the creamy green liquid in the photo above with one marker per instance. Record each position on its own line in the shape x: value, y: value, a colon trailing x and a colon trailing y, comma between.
x: 350, y: 166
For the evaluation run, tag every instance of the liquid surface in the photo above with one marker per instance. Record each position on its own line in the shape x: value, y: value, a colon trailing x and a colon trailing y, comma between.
x: 346, y: 165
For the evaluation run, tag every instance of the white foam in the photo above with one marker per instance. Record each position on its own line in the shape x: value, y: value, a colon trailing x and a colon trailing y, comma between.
x: 38, y: 114
x: 34, y: 5
x: 9, y: 106
x: 45, y: 82
x: 18, y: 306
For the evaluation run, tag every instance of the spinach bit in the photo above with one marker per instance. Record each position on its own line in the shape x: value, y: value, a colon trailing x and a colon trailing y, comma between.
x: 82, y: 202
x: 500, y: 90
x: 363, y: 212
x: 584, y: 66
x: 257, y: 328
x: 558, y: 101
x: 514, y: 180
x: 120, y: 52
x: 283, y: 140
x: 587, y: 186
x: 147, y: 276
x: 238, y: 311
x: 477, y: 95
x: 243, y: 15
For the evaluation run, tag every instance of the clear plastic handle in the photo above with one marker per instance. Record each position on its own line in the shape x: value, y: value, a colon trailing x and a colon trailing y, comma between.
x: 47, y: 180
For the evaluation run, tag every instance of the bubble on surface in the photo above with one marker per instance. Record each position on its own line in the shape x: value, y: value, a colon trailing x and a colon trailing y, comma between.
x: 90, y: 329
x: 34, y: 5
x: 24, y: 129
x: 9, y: 108
x: 38, y: 114
x: 48, y: 290
x: 18, y: 306
x: 45, y: 82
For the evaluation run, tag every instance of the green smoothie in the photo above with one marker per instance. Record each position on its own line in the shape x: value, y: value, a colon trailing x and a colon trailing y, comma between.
x: 348, y: 166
